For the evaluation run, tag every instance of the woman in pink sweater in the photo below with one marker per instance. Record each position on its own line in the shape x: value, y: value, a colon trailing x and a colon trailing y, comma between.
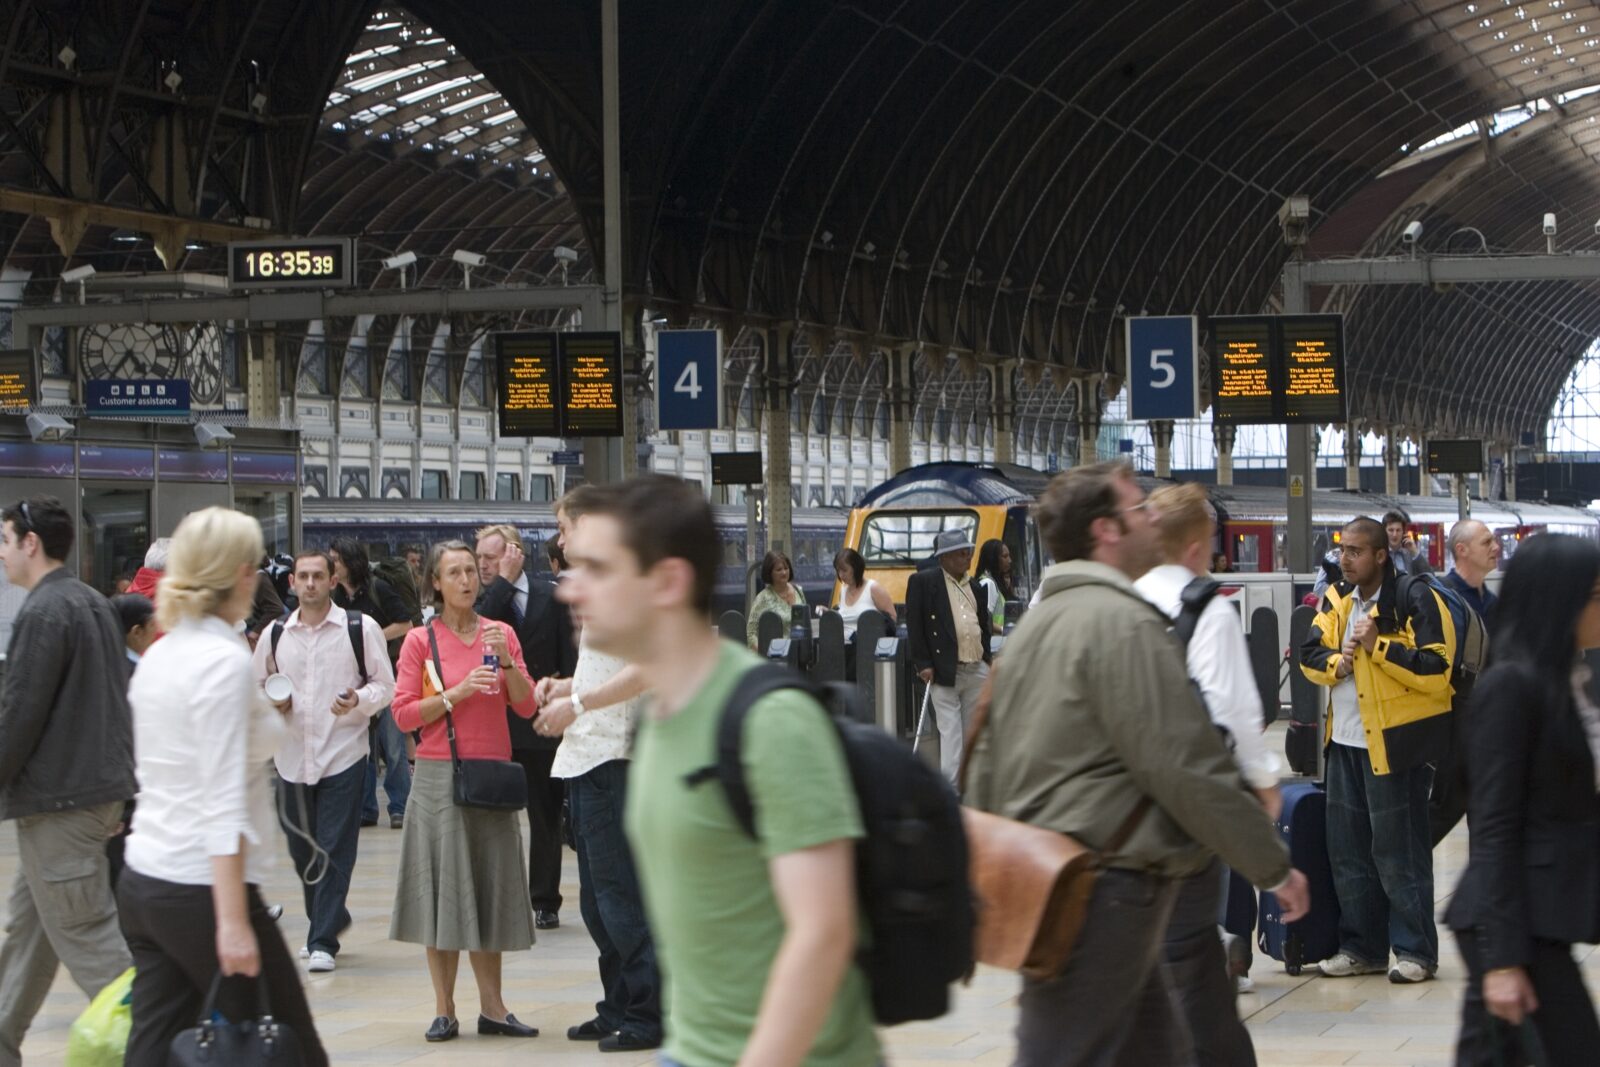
x: 463, y: 877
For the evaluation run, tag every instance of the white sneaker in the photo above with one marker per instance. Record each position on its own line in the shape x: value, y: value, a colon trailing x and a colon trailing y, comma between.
x: 1407, y: 972
x: 1243, y: 984
x: 305, y: 952
x: 1344, y: 965
x: 320, y: 961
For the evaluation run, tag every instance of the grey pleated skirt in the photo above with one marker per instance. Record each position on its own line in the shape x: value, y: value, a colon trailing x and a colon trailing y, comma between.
x: 463, y: 880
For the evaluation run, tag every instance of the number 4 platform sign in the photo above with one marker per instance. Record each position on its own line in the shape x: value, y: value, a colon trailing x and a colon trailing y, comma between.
x: 1163, y: 367
x: 689, y: 380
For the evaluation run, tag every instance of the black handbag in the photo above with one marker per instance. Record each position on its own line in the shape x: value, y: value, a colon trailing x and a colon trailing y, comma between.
x: 258, y: 1042
x: 491, y: 784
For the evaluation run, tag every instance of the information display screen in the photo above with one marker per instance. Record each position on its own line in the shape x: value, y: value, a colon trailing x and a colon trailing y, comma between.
x: 591, y: 384
x: 1455, y: 457
x: 736, y: 468
x: 528, y: 384
x: 1241, y: 374
x: 559, y: 384
x: 178, y: 465
x: 291, y: 263
x: 1313, y: 362
x: 17, y: 380
x: 1273, y: 369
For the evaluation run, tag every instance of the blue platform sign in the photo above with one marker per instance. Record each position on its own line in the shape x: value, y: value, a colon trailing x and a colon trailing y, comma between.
x: 688, y: 385
x: 567, y: 458
x: 1163, y: 367
x: 155, y: 396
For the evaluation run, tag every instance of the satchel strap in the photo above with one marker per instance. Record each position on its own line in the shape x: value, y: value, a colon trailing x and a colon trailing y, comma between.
x: 449, y: 723
x: 980, y: 722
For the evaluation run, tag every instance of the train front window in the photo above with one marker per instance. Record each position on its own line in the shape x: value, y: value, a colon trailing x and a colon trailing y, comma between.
x: 905, y: 538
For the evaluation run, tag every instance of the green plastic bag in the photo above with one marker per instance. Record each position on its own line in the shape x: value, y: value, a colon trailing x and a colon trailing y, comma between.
x: 100, y: 1035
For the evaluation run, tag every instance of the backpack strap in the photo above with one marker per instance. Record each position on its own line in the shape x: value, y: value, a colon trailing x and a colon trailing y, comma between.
x: 754, y: 684
x: 1196, y: 595
x: 358, y: 643
x: 274, y: 635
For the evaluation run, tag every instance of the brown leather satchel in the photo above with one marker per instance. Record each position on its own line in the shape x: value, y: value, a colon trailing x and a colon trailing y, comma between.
x: 1033, y: 885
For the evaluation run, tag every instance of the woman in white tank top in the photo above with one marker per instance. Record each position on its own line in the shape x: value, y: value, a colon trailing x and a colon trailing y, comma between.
x: 857, y: 595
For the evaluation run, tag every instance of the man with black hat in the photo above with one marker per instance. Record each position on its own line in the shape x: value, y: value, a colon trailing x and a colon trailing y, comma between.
x: 947, y: 620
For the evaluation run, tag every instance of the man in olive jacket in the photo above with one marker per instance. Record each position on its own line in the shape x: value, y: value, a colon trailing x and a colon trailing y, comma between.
x: 1093, y: 715
x: 66, y: 768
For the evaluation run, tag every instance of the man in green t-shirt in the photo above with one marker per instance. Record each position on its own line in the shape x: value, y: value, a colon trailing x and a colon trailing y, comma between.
x: 755, y: 936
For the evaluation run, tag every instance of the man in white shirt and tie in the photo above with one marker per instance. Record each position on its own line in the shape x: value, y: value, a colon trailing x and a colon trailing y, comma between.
x: 322, y: 759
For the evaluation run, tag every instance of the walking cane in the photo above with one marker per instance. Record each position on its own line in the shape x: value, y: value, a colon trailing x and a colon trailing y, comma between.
x: 922, y: 719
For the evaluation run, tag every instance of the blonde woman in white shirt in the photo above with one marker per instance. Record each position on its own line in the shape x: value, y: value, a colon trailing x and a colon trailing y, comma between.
x: 204, y: 736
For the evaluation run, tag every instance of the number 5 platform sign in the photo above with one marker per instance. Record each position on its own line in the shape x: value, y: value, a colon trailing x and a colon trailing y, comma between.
x: 1163, y: 367
x: 689, y: 382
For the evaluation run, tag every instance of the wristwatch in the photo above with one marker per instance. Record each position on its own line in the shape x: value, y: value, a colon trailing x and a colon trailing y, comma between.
x: 577, y: 704
x: 449, y: 706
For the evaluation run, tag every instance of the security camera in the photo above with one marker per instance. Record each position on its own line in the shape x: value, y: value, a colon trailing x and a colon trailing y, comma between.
x: 1294, y: 216
x: 1549, y: 224
x: 404, y: 259
x: 212, y: 435
x: 565, y: 254
x: 42, y: 427
x: 1412, y: 233
x: 85, y: 272
x: 469, y: 259
x: 1597, y: 227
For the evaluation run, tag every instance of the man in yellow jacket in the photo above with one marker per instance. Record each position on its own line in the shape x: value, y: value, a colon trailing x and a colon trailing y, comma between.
x: 1383, y: 645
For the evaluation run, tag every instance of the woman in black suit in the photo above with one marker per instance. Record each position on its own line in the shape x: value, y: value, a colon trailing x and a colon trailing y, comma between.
x: 1532, y: 885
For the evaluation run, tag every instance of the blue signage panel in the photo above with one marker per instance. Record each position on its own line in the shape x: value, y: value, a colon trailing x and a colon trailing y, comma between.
x: 107, y: 461
x: 1163, y: 367
x: 688, y: 382
x: 567, y: 458
x: 155, y: 396
x: 30, y: 460
x: 266, y: 468
x: 179, y: 465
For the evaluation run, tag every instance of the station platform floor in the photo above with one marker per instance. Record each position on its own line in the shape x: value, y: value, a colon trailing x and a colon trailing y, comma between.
x: 375, y: 1007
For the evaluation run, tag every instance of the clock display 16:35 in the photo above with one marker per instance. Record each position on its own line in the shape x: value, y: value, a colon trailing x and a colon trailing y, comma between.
x: 286, y: 264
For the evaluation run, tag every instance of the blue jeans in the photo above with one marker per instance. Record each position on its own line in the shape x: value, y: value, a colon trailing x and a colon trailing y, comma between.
x: 1379, y: 845
x: 333, y: 819
x: 611, y: 904
x: 388, y: 742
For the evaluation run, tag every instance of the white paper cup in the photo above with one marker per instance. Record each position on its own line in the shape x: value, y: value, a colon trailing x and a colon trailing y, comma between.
x: 278, y: 687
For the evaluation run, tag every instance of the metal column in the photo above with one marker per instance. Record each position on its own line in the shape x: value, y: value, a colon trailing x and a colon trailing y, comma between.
x: 1302, y: 460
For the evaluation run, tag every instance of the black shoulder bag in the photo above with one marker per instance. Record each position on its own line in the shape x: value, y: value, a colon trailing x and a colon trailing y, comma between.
x: 258, y: 1042
x: 491, y: 784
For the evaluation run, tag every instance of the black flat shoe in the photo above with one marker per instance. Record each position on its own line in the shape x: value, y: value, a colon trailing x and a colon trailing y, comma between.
x: 509, y: 1028
x: 589, y: 1031
x: 626, y: 1042
x: 444, y: 1028
x: 546, y: 920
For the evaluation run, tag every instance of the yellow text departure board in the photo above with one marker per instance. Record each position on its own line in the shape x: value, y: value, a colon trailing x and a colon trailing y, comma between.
x: 528, y: 384
x: 1277, y: 369
x: 18, y: 383
x: 559, y: 384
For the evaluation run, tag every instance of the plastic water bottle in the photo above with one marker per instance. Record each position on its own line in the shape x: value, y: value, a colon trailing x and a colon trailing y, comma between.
x: 493, y: 663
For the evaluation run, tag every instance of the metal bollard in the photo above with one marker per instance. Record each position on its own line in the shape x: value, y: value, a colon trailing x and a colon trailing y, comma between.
x: 885, y: 670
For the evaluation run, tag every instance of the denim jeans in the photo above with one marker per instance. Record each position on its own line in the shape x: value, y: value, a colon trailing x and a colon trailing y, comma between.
x: 612, y: 906
x: 1379, y: 845
x: 388, y: 742
x: 333, y: 818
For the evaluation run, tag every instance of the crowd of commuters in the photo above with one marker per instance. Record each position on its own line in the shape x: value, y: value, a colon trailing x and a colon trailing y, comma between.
x: 1124, y: 714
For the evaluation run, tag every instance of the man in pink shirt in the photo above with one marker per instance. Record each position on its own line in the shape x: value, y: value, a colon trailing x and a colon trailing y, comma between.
x: 338, y: 665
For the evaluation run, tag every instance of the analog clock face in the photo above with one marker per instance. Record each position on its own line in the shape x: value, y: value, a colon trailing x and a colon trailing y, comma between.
x: 136, y: 350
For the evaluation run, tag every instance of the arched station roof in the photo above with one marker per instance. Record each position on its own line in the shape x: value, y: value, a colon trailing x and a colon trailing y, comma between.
x: 995, y: 181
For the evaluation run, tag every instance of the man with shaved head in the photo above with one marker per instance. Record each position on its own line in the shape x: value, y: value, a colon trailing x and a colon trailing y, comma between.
x: 1475, y: 552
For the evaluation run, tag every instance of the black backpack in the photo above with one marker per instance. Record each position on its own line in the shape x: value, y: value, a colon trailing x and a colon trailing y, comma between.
x: 1193, y: 600
x: 357, y: 642
x: 912, y: 881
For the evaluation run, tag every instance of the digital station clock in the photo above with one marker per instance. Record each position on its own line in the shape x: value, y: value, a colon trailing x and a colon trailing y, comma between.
x: 290, y: 263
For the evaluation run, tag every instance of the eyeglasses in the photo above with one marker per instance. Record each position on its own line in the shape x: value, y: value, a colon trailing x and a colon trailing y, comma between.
x: 1143, y: 505
x: 27, y: 519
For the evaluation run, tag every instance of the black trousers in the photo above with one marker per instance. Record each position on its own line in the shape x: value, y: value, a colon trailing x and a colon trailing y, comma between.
x: 1197, y: 974
x: 544, y: 827
x: 1565, y: 1023
x: 172, y: 932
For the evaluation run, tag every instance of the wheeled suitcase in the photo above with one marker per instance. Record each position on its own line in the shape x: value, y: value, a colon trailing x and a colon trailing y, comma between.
x: 1304, y: 826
